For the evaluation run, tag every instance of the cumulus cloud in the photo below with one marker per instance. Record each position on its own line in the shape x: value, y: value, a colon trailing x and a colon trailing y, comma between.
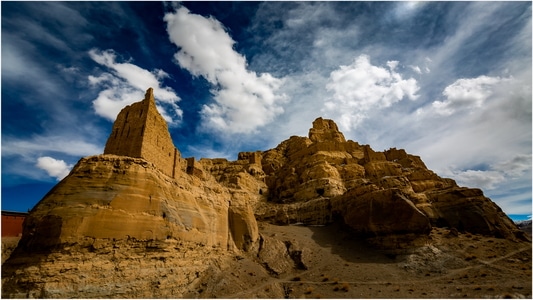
x: 126, y: 83
x: 244, y: 100
x: 481, y: 95
x: 361, y: 87
x: 466, y: 94
x: 494, y: 175
x: 479, y: 133
x: 54, y: 167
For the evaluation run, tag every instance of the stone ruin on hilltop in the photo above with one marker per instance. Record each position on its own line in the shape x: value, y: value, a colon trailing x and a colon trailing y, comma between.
x: 307, y: 180
x: 140, y: 131
x: 141, y: 194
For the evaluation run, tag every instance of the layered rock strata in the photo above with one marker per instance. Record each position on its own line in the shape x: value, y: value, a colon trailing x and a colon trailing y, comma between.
x: 141, y: 206
x: 313, y: 180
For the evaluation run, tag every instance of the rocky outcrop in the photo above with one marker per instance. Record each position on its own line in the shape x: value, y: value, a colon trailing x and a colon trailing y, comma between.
x: 116, y: 197
x: 317, y: 179
x: 142, y: 211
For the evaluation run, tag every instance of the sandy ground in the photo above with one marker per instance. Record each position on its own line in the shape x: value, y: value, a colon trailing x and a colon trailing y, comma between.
x: 448, y: 266
x: 8, y: 245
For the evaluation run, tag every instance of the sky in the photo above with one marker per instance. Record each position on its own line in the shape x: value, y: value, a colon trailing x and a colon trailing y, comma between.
x: 447, y: 81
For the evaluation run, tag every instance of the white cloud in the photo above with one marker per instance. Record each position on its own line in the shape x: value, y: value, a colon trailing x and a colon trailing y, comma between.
x: 22, y: 153
x: 479, y: 134
x: 416, y: 69
x: 407, y: 9
x: 486, y: 180
x: 38, y: 144
x: 465, y: 94
x: 516, y: 166
x: 126, y: 83
x: 243, y: 99
x: 515, y: 202
x: 54, y: 167
x: 499, y: 178
x: 361, y: 87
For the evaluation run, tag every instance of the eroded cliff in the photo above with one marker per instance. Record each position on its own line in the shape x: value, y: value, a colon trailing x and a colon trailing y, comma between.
x: 127, y: 226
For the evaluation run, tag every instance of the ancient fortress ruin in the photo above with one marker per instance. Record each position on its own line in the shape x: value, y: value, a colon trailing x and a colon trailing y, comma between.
x: 140, y: 131
x: 140, y: 221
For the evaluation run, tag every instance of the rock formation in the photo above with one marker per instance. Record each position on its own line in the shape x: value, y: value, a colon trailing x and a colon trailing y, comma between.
x: 140, y: 210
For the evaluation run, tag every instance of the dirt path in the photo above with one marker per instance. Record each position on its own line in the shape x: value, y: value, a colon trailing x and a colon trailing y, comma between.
x: 347, y: 269
x: 481, y: 263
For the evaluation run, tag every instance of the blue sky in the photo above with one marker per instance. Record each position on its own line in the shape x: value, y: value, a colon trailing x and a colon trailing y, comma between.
x: 448, y: 81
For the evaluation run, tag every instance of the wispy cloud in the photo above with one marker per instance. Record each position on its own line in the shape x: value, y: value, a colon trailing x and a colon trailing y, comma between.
x: 30, y: 148
x: 244, y: 100
x: 472, y: 117
x: 27, y: 151
x: 479, y: 133
x: 467, y: 64
x: 126, y: 83
x: 406, y: 9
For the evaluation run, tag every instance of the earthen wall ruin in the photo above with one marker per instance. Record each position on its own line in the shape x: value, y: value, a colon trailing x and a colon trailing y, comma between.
x: 141, y: 131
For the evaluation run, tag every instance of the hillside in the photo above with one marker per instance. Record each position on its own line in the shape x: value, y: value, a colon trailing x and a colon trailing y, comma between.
x: 317, y: 216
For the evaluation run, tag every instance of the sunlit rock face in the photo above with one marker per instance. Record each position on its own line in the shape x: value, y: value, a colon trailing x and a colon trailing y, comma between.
x: 140, y: 189
x: 141, y: 221
x: 314, y: 180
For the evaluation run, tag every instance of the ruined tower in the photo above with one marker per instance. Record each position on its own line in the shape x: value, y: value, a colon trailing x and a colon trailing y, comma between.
x: 140, y: 131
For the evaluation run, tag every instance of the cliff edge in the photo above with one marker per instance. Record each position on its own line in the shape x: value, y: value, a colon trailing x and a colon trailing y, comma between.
x: 141, y: 221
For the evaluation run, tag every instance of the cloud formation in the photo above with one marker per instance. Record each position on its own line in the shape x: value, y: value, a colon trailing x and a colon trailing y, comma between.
x: 479, y: 133
x: 243, y: 99
x: 361, y: 86
x: 467, y: 64
x: 126, y: 83
x: 54, y: 167
x: 494, y: 175
x: 29, y: 148
x: 466, y: 94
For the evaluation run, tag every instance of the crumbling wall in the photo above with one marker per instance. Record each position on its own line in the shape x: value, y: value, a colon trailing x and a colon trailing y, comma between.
x: 141, y: 131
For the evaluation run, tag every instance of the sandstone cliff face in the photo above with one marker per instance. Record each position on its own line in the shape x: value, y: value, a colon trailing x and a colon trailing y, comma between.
x: 115, y: 197
x: 115, y: 218
x: 312, y: 180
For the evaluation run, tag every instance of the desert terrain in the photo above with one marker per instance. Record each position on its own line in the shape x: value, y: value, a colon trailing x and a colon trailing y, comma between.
x: 449, y: 265
x: 334, y: 264
x: 315, y: 217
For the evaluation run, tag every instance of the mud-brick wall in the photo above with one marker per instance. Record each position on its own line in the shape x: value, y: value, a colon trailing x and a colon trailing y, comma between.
x: 141, y: 131
x: 157, y: 145
x: 127, y: 135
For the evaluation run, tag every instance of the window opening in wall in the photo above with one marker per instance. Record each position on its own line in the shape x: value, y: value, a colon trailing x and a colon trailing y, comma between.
x: 126, y: 118
x: 141, y: 113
